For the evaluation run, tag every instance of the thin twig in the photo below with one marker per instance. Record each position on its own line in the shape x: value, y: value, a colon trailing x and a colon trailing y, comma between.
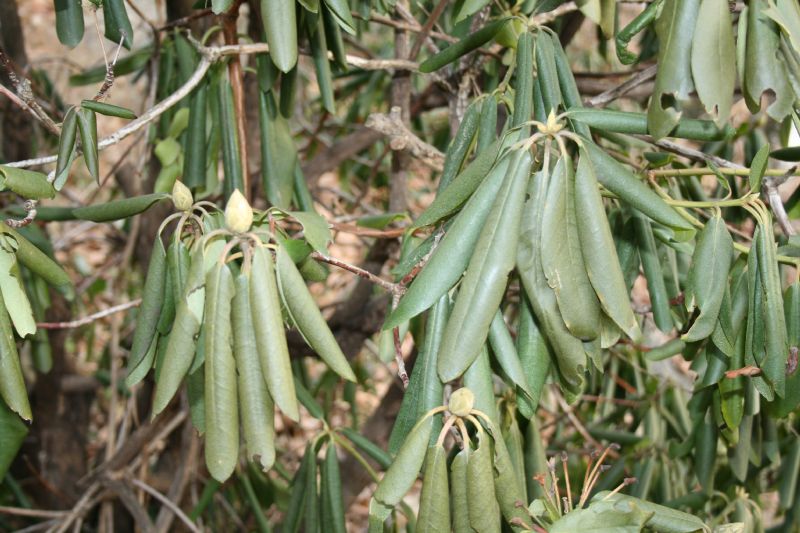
x: 401, y: 138
x: 34, y: 513
x: 604, y: 98
x: 91, y: 318
x: 393, y: 288
x: 167, y: 503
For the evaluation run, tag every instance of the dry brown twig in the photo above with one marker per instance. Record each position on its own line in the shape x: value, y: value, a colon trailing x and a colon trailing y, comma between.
x: 401, y: 138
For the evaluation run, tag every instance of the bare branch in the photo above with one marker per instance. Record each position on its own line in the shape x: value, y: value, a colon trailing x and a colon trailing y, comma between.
x: 167, y: 503
x: 91, y: 318
x: 604, y: 98
x: 369, y: 276
x: 401, y: 138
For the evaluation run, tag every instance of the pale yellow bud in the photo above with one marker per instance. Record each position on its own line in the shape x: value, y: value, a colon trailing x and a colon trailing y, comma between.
x: 238, y: 213
x: 461, y: 402
x: 182, y: 196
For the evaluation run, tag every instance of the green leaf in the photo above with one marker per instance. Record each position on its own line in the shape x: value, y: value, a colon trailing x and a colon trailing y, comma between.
x: 340, y: 9
x: 634, y: 123
x: 256, y: 404
x: 484, y: 512
x: 278, y: 153
x: 17, y: 303
x: 600, y: 255
x: 618, y: 179
x: 713, y: 58
x: 791, y: 308
x: 26, y: 183
x: 568, y: 350
x: 221, y: 402
x: 403, y: 472
x: 453, y: 194
x: 534, y: 356
x: 651, y: 264
x: 333, y: 490
x: 675, y: 27
x: 506, y: 353
x: 708, y: 277
x: 297, y: 498
x: 118, y: 209
x: 663, y: 520
x: 764, y: 71
x: 12, y: 384
x: 479, y: 379
x: 603, y: 517
x: 87, y: 126
x: 467, y: 8
x: 110, y: 110
x: 306, y: 316
x: 117, y: 24
x: 270, y: 333
x: 194, y: 164
x: 425, y: 389
x: 231, y: 162
x: 758, y: 166
x: 278, y: 17
x: 547, y: 74
x: 508, y: 479
x: 12, y: 434
x: 434, y: 504
x: 464, y: 46
x: 182, y: 339
x: 458, y: 494
x: 563, y: 262
x: 69, y: 22
x: 487, y: 273
x: 459, y: 148
x: 38, y: 262
x: 452, y: 255
x: 319, y: 53
x: 220, y: 6
x: 66, y: 142
x: 791, y: 153
x: 523, y: 89
x: 316, y: 230
x: 775, y: 332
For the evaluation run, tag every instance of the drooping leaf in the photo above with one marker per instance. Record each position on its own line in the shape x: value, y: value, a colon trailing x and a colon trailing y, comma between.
x: 69, y: 22
x: 452, y: 254
x: 713, y: 58
x: 12, y: 433
x: 306, y: 316
x: 258, y: 426
x: 280, y: 26
x: 221, y: 401
x: 12, y: 384
x: 675, y: 27
x: 487, y: 274
x: 764, y: 71
x: 708, y: 276
x: 604, y: 517
x: 405, y: 468
x: 270, y: 333
x: 434, y: 506
x: 563, y: 262
x: 598, y: 250
x: 278, y: 153
x: 117, y: 25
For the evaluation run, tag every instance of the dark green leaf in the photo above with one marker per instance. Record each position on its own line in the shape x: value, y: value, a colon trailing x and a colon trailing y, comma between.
x: 118, y: 209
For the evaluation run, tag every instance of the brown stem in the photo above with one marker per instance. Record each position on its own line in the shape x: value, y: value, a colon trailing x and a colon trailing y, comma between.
x: 393, y: 288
